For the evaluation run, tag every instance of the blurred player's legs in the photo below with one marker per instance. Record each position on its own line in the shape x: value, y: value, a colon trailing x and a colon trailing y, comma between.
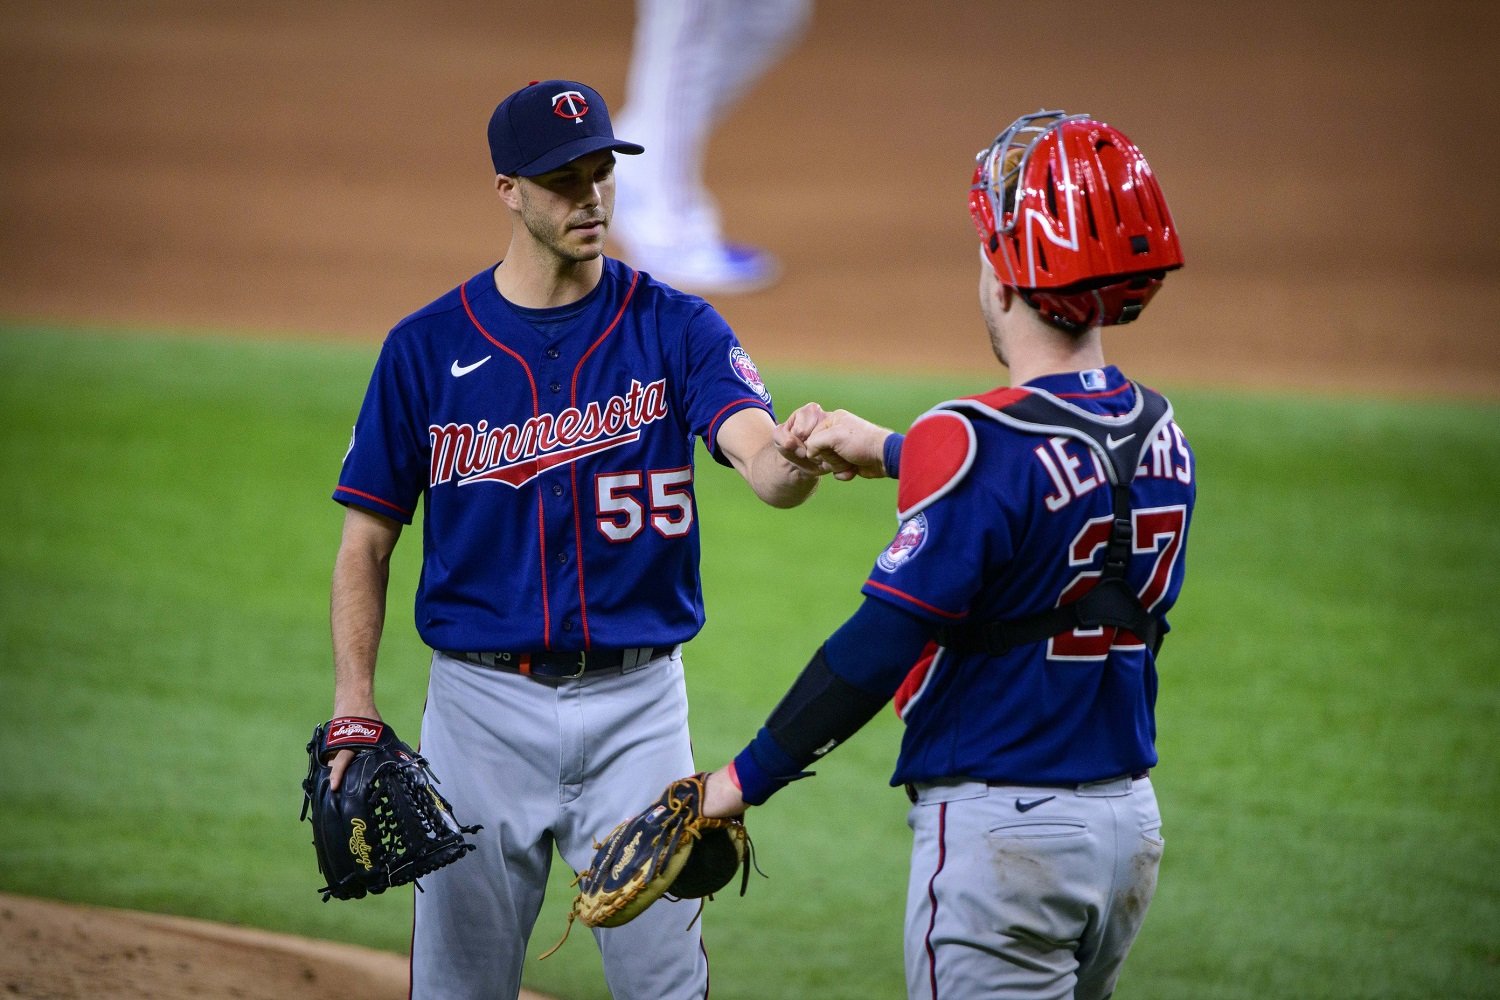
x: 693, y: 60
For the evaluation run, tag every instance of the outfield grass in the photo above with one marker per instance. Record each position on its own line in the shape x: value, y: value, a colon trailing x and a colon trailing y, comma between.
x: 1328, y: 711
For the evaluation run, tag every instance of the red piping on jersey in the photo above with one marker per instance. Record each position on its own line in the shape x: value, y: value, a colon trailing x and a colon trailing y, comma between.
x: 536, y: 411
x: 463, y: 294
x: 713, y: 425
x: 1000, y: 398
x: 583, y: 603
x: 1093, y: 395
x: 541, y: 543
x: 907, y: 597
x: 372, y: 497
x: 932, y: 901
x: 629, y: 294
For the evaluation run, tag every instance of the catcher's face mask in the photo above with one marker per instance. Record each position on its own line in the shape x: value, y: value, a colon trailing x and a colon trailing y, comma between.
x: 1070, y: 214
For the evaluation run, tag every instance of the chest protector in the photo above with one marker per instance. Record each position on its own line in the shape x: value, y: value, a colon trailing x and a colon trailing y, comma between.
x: 1119, y: 442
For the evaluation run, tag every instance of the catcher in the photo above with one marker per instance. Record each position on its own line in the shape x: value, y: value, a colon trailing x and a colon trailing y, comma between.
x: 1016, y: 617
x: 381, y: 822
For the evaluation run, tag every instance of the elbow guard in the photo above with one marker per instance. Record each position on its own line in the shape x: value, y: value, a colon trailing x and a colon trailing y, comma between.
x: 820, y: 711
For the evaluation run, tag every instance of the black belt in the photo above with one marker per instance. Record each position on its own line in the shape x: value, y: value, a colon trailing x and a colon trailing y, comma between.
x: 554, y: 665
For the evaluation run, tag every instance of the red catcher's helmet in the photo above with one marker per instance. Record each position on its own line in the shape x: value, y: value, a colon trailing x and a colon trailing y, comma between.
x: 1072, y: 217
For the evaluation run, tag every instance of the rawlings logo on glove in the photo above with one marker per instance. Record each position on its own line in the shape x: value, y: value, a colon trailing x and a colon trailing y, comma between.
x: 359, y: 847
x: 346, y: 732
x: 386, y: 825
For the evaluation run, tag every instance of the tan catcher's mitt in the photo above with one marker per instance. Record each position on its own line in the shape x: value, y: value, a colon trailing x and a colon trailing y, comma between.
x: 670, y: 850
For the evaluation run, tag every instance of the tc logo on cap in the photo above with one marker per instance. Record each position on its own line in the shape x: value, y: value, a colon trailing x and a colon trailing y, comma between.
x: 570, y: 104
x: 545, y: 125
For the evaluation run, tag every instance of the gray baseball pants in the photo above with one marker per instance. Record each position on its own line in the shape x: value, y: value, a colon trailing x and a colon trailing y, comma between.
x: 1025, y: 892
x: 543, y: 765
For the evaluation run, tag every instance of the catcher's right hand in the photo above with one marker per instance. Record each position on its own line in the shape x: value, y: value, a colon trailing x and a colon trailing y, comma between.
x: 850, y: 445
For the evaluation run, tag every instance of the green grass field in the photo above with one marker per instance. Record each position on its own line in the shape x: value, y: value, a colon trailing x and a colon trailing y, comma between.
x: 1330, y: 770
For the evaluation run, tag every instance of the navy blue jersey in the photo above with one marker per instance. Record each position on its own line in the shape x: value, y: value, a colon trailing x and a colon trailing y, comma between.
x: 555, y: 452
x: 997, y: 523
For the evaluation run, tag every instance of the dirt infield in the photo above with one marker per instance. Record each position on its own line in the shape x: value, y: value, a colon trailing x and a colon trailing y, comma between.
x: 53, y: 951
x: 319, y: 170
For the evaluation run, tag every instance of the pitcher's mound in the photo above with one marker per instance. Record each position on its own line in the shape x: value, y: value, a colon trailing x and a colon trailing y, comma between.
x: 58, y: 951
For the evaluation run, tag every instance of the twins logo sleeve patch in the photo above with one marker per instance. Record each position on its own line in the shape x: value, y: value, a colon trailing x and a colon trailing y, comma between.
x: 906, y: 544
x: 745, y: 368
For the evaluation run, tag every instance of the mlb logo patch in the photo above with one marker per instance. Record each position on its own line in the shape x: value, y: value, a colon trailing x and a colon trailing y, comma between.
x: 748, y: 373
x: 906, y: 544
x: 1094, y: 380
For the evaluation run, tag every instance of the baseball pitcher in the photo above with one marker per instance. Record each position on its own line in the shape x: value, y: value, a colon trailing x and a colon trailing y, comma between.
x: 544, y: 414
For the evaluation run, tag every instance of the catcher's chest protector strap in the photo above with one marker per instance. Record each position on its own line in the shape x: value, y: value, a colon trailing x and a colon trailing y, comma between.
x: 1119, y: 443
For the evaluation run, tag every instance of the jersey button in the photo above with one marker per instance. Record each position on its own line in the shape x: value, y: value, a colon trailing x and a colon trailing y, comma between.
x: 556, y: 387
x: 557, y: 489
x: 562, y: 557
x: 553, y: 352
x: 567, y: 624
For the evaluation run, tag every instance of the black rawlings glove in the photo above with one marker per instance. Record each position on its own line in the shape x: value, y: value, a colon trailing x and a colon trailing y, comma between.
x: 386, y: 825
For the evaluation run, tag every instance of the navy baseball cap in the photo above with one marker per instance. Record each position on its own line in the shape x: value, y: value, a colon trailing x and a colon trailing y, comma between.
x: 548, y: 123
